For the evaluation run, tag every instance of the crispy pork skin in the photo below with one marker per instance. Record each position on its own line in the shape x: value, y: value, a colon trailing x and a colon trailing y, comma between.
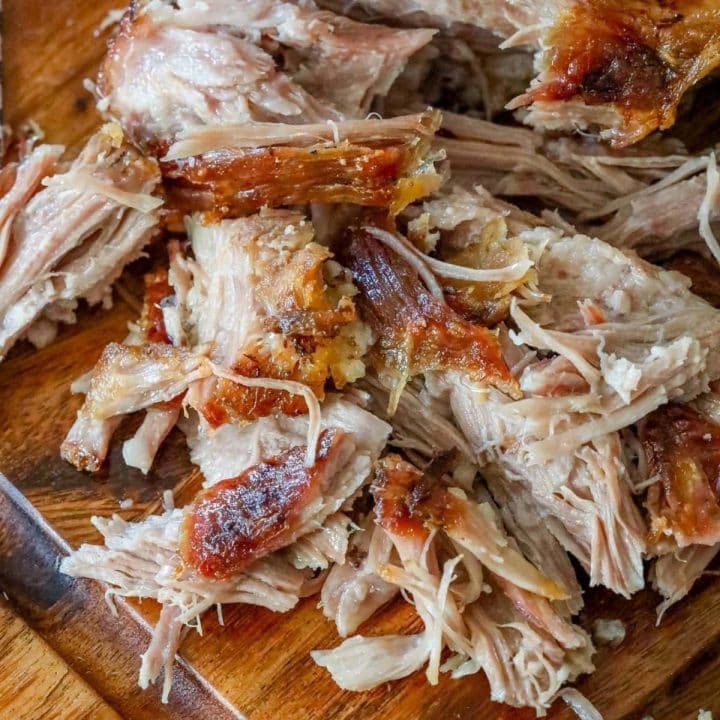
x: 239, y: 520
x: 622, y: 66
x: 416, y: 332
x: 376, y: 163
x: 683, y: 450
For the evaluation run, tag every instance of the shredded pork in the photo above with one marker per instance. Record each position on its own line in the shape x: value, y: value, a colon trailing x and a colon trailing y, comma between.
x: 395, y: 384
x: 73, y: 237
x: 190, y: 559
x: 473, y: 618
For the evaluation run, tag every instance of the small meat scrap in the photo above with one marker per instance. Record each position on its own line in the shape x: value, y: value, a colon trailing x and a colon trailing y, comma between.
x: 127, y: 378
x: 151, y: 322
x: 240, y: 520
x: 683, y: 450
x: 608, y: 632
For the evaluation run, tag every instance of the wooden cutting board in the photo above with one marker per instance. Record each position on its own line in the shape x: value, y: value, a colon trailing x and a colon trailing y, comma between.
x: 62, y: 653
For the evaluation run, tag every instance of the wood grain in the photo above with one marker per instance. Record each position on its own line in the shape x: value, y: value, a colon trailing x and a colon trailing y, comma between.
x: 37, y: 682
x: 60, y: 639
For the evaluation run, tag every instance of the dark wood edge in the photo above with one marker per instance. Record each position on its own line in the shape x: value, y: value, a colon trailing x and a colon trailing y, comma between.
x: 74, y: 619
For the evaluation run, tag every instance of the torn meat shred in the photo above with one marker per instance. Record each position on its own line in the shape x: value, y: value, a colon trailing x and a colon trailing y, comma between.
x: 72, y: 238
x: 175, y: 66
x: 354, y: 591
x: 235, y: 542
x: 674, y: 574
x: 268, y: 305
x: 25, y: 178
x: 504, y: 19
x: 405, y: 503
x: 524, y: 448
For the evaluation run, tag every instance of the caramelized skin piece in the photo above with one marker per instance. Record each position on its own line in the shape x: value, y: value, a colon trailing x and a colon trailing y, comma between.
x: 683, y: 449
x: 406, y: 499
x: 151, y: 322
x: 299, y: 300
x: 235, y: 403
x: 238, y: 521
x: 233, y: 183
x: 639, y: 55
x: 417, y: 332
x: 398, y: 488
x: 701, y: 271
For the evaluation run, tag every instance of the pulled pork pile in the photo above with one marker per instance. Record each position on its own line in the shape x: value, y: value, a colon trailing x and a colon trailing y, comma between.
x: 393, y: 382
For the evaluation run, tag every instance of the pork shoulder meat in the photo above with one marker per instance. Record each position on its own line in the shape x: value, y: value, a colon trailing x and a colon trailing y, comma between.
x: 270, y: 302
x: 177, y: 65
x: 618, y: 338
x: 256, y: 299
x: 503, y: 18
x: 239, y: 169
x: 126, y: 379
x: 474, y: 591
x: 622, y: 65
x: 234, y: 543
x: 408, y: 505
x: 73, y: 237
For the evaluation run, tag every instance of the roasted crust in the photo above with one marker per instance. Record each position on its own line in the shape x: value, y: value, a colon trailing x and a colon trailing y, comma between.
x: 683, y: 450
x: 229, y: 183
x: 239, y: 520
x: 638, y: 56
x: 415, y: 331
x: 398, y: 489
